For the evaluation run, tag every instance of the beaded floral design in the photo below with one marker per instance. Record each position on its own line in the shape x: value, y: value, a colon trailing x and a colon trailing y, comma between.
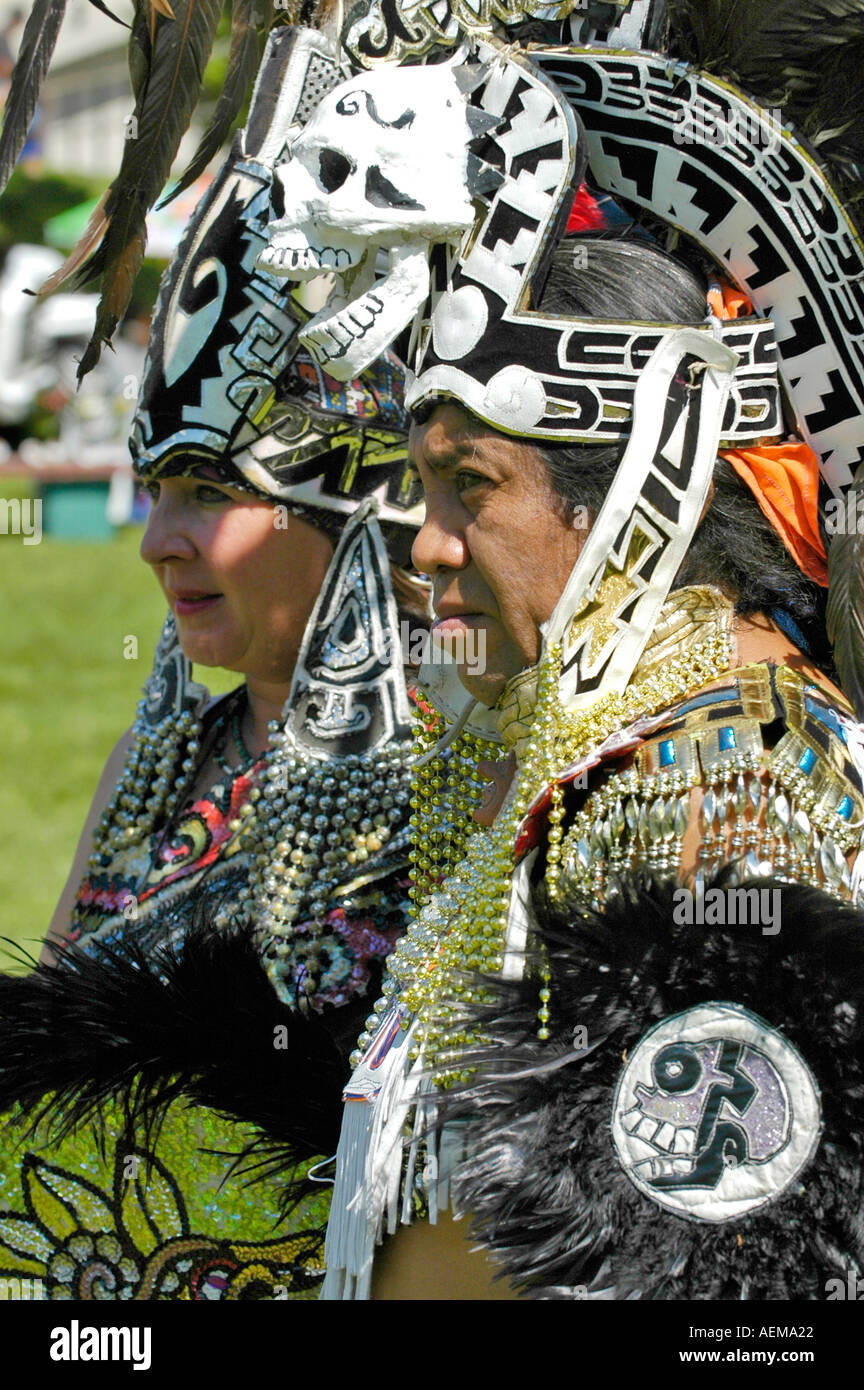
x: 133, y: 1239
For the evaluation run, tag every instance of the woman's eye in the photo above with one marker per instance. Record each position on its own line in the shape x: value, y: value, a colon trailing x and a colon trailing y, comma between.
x: 211, y: 494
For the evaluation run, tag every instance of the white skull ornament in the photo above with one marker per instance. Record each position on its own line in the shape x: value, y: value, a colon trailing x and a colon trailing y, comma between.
x: 380, y: 165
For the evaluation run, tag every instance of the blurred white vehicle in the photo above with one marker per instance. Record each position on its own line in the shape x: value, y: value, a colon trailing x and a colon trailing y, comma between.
x: 40, y: 345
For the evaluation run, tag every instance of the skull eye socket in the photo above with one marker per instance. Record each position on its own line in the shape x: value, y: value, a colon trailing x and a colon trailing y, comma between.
x: 381, y: 193
x: 333, y: 169
x: 277, y: 198
x: 676, y: 1068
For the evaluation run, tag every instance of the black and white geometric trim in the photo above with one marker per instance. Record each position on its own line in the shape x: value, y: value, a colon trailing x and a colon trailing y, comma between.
x: 348, y: 691
x: 565, y: 378
x: 702, y: 157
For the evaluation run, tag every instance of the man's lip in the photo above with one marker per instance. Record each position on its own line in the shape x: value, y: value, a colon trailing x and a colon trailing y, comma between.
x: 452, y: 622
x: 445, y: 610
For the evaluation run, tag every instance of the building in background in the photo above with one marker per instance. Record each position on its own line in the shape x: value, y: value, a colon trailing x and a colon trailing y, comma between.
x: 87, y: 98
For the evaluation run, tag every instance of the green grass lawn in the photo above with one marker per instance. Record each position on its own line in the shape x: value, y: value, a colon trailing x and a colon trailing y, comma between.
x: 66, y: 694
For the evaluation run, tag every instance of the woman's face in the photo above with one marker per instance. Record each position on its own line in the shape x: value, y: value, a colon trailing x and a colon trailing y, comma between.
x: 240, y: 586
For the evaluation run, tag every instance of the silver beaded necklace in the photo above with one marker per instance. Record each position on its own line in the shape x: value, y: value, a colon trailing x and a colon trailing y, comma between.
x: 330, y: 792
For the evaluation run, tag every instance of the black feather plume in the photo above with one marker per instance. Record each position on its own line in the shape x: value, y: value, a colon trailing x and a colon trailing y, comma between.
x: 549, y: 1195
x: 169, y: 47
x: 198, y: 1022
x: 804, y: 56
x: 180, y: 49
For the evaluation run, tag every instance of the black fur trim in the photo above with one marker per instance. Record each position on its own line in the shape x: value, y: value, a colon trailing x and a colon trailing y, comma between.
x: 544, y: 1183
x: 198, y: 1022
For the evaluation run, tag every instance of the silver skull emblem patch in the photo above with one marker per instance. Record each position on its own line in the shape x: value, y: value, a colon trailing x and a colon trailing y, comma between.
x: 715, y: 1113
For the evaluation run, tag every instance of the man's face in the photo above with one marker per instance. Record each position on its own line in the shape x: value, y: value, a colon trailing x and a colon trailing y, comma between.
x: 494, y: 542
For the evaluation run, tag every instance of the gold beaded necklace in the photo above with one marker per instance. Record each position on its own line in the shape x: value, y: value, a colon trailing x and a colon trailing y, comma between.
x: 460, y: 929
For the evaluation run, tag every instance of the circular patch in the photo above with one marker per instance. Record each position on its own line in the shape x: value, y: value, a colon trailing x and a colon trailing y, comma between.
x: 715, y: 1113
x: 459, y: 322
x: 515, y: 398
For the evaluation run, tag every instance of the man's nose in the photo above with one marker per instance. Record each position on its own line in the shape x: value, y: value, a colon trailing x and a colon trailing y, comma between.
x: 440, y: 543
x: 166, y: 536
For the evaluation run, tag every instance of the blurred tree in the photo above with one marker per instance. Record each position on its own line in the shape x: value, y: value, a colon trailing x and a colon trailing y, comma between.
x: 29, y: 201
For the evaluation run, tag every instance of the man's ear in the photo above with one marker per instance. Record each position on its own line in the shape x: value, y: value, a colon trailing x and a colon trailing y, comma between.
x: 708, y: 500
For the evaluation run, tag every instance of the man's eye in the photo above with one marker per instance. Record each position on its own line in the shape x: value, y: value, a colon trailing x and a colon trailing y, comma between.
x: 467, y: 479
x: 152, y: 491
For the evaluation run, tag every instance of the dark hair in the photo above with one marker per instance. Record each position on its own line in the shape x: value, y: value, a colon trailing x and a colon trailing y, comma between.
x: 621, y: 278
x: 734, y: 547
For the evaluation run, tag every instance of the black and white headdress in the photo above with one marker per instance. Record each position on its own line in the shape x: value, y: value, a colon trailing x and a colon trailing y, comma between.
x: 226, y: 381
x: 368, y: 172
x: 227, y: 385
x: 453, y: 187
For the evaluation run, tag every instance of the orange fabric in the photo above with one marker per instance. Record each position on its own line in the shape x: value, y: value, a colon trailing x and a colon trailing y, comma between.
x: 784, y: 478
x: 727, y: 302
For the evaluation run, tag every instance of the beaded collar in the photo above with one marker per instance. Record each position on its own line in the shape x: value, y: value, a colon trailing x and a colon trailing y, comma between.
x: 690, y: 616
x: 461, y: 919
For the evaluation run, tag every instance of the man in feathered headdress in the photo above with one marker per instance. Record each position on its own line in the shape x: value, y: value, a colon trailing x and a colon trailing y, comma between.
x: 621, y: 456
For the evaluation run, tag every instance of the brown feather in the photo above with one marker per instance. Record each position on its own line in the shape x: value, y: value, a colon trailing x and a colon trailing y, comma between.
x: 845, y: 610
x: 121, y: 268
x: 167, y: 61
x: 34, y: 55
x: 140, y: 50
x: 251, y: 20
x: 86, y: 247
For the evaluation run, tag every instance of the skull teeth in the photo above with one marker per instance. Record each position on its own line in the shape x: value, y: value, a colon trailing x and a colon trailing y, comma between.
x: 303, y: 260
x: 330, y: 340
x: 650, y: 1169
x: 346, y: 341
x: 663, y: 1136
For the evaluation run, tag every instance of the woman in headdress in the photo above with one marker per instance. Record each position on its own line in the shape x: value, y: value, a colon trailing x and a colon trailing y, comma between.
x: 175, y: 1063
